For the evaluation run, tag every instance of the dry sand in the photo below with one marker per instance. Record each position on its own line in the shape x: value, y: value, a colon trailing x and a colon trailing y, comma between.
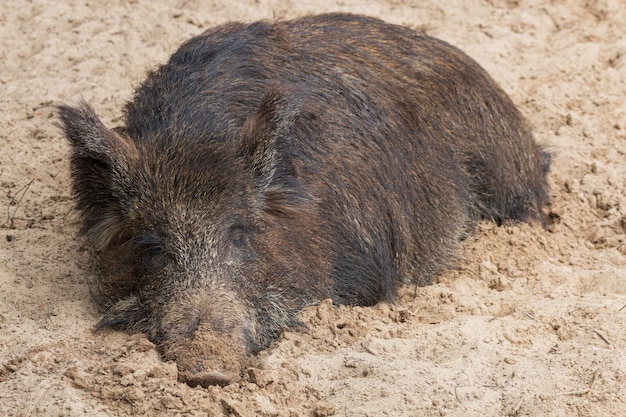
x: 530, y: 323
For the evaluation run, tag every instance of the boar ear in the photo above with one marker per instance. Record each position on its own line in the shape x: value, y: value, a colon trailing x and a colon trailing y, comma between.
x: 269, y: 149
x: 91, y: 139
x: 100, y: 161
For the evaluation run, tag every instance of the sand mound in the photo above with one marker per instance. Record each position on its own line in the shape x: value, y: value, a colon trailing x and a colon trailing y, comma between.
x: 530, y: 323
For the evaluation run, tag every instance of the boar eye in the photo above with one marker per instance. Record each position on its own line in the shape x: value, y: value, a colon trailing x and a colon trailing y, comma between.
x: 154, y: 250
x: 239, y: 235
x: 150, y: 247
x: 150, y: 240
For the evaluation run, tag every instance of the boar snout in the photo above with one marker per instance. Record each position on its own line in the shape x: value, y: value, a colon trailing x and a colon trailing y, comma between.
x: 207, y: 358
x: 206, y: 333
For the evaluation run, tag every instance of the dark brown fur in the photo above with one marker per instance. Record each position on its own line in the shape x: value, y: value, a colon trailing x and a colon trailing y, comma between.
x: 268, y: 166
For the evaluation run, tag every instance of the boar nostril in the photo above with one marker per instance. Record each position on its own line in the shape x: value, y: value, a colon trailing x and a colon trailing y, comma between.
x: 207, y: 370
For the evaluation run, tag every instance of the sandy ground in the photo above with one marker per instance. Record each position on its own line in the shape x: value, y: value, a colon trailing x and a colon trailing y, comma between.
x: 530, y: 323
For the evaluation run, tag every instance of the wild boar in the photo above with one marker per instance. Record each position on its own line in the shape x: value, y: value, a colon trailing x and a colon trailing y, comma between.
x: 268, y: 166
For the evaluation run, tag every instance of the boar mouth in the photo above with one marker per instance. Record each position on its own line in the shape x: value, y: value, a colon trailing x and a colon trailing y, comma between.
x: 205, y: 379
